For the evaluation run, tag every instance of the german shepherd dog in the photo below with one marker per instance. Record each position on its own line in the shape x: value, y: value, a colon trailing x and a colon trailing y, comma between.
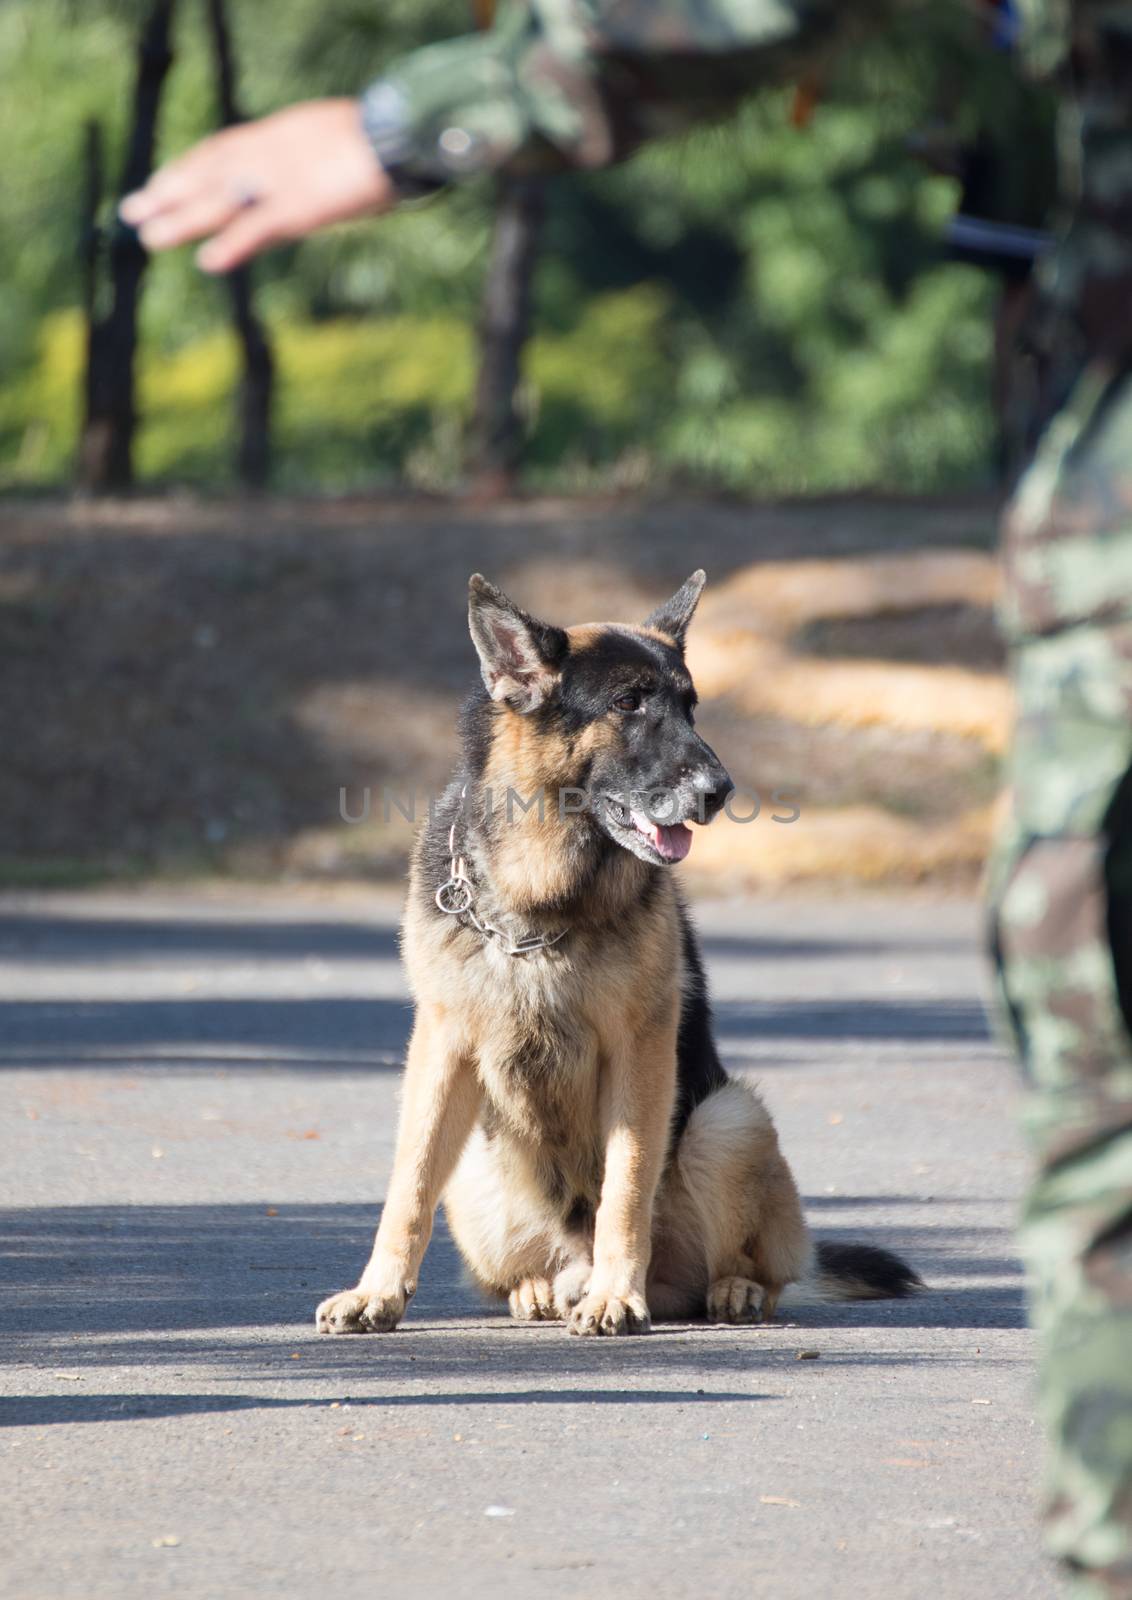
x: 562, y: 1090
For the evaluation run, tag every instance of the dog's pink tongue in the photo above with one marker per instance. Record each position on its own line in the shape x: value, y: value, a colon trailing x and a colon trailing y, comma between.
x: 673, y: 843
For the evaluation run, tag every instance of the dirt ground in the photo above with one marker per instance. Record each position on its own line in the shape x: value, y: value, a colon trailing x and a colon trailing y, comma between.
x: 189, y: 686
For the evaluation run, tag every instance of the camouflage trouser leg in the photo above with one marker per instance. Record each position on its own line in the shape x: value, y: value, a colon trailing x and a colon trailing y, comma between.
x: 1062, y: 929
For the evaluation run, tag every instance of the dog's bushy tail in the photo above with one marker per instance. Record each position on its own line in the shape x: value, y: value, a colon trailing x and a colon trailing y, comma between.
x: 862, y: 1272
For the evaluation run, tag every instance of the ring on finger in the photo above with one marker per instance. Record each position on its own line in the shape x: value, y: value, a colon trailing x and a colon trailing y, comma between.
x: 245, y: 193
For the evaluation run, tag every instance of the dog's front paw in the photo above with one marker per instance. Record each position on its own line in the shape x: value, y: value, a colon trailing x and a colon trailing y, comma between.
x: 359, y: 1311
x: 612, y: 1314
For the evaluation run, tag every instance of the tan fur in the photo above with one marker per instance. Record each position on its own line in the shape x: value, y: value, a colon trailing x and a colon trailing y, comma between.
x: 587, y: 634
x: 600, y: 1014
x: 729, y: 1214
x: 440, y: 1099
x: 596, y: 1020
x: 534, y: 862
x: 723, y: 1230
x: 539, y: 1095
x: 658, y: 634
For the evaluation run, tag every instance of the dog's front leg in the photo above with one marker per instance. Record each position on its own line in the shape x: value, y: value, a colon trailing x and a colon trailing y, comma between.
x: 637, y: 1113
x: 439, y: 1102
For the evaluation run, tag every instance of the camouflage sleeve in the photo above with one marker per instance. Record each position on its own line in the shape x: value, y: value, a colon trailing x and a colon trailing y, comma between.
x: 560, y: 83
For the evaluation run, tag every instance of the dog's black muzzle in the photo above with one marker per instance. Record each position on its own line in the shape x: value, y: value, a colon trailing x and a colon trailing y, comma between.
x: 694, y: 789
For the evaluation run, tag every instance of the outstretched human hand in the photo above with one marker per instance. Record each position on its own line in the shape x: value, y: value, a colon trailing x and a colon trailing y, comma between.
x: 260, y: 183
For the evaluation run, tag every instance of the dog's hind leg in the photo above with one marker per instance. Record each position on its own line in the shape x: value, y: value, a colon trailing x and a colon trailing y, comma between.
x: 731, y: 1233
x: 571, y: 1283
x: 532, y: 1300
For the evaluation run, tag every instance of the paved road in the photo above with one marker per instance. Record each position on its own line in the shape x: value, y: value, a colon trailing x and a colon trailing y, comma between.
x: 200, y: 1097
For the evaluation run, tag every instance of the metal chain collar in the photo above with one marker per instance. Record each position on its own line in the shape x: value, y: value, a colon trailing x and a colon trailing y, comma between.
x: 456, y: 898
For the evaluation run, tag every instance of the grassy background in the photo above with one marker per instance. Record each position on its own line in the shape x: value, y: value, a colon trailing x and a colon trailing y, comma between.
x: 755, y: 306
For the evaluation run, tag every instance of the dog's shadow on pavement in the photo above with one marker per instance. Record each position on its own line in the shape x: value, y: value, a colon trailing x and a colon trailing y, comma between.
x: 42, y: 1410
x: 234, y: 1287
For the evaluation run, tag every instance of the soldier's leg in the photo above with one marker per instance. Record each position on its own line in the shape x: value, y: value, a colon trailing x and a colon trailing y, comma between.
x: 1063, y: 878
x: 1063, y: 935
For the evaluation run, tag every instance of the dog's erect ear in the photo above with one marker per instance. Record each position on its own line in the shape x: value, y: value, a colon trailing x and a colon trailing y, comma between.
x: 520, y: 658
x: 674, y: 615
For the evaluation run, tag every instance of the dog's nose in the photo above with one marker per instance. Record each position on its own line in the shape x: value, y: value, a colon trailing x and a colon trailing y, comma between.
x: 712, y: 785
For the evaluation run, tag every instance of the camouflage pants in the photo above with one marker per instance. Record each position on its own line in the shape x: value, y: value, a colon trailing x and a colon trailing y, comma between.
x: 1063, y: 934
x: 1062, y: 881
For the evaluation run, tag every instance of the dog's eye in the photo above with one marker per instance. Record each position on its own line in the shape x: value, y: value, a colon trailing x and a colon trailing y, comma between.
x: 629, y: 701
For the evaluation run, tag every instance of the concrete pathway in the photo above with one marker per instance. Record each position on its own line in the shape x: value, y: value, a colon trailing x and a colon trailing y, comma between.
x: 199, y: 1096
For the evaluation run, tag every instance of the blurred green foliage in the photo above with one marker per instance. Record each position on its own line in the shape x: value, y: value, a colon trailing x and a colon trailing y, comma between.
x: 757, y: 306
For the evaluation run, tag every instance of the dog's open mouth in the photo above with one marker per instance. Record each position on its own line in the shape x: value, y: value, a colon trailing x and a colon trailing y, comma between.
x: 669, y: 842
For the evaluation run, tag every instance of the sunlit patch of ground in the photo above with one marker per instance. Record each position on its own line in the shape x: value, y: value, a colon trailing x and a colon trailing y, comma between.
x: 192, y: 687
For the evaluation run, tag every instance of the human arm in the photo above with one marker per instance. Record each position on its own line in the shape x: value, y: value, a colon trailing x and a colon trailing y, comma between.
x: 554, y: 84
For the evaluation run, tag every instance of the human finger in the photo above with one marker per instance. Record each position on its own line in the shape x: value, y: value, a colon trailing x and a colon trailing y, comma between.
x: 205, y: 214
x: 176, y: 183
x: 249, y: 232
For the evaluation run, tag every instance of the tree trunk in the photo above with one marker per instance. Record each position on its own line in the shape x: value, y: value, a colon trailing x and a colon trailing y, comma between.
x: 90, y: 245
x: 497, y: 432
x: 90, y: 236
x: 106, y: 447
x: 257, y: 381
